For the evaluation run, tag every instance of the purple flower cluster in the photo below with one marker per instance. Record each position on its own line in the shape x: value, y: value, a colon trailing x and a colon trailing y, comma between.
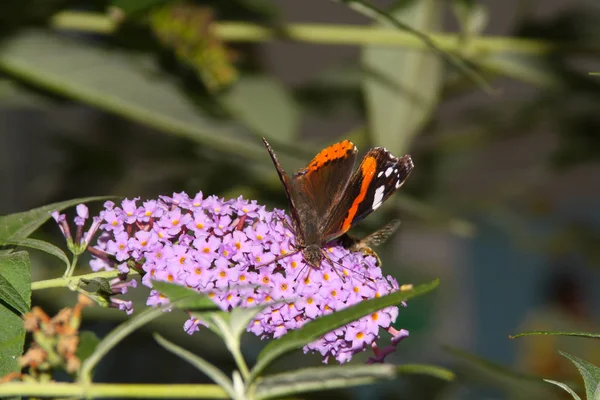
x: 241, y: 255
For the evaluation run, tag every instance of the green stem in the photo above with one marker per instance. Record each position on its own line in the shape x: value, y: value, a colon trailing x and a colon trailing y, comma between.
x: 71, y: 268
x: 346, y: 35
x: 67, y: 282
x: 105, y: 390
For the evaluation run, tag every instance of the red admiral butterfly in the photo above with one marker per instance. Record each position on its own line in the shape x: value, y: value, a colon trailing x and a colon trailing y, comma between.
x: 327, y: 199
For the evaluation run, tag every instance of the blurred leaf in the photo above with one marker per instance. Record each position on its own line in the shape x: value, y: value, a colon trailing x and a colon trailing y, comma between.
x: 15, y: 269
x: 87, y: 344
x: 321, y: 378
x: 565, y: 387
x: 580, y: 334
x: 472, y: 16
x: 498, y: 376
x: 124, y: 84
x: 209, y: 369
x: 534, y: 70
x: 100, y: 286
x: 39, y: 245
x: 128, y: 7
x: 315, y: 329
x: 265, y: 106
x: 590, y: 374
x: 422, y: 369
x: 402, y: 86
x: 20, y: 225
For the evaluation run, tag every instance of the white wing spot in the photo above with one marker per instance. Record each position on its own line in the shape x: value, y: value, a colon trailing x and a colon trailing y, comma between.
x: 388, y: 171
x: 378, y: 198
x: 399, y: 183
x: 379, y: 174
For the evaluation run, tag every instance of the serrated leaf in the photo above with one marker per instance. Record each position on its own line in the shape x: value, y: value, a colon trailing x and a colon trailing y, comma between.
x: 321, y: 378
x: 423, y: 369
x: 315, y: 329
x: 565, y: 387
x: 402, y: 86
x: 20, y: 225
x: 589, y: 372
x: 124, y: 84
x: 39, y: 245
x: 264, y: 105
x: 15, y: 268
x: 557, y: 333
x: 183, y: 297
x: 87, y: 344
x: 204, y: 366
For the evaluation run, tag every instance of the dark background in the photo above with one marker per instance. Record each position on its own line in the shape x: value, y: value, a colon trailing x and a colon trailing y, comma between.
x: 502, y: 205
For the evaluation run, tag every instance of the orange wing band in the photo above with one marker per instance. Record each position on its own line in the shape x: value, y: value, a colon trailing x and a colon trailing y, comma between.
x: 333, y: 152
x: 368, y: 168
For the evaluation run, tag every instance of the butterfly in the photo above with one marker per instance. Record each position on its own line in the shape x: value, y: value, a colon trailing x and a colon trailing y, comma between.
x: 328, y: 197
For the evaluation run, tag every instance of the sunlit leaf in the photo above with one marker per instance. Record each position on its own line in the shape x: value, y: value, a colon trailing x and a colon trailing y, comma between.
x: 589, y: 372
x: 87, y: 344
x: 183, y: 297
x: 565, y: 387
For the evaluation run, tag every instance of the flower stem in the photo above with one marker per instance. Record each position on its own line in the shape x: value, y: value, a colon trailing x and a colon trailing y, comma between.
x: 68, y: 281
x: 345, y: 35
x: 108, y: 390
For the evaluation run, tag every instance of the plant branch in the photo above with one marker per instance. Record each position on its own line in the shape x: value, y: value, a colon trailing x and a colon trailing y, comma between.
x: 67, y: 282
x: 346, y: 35
x: 106, y: 390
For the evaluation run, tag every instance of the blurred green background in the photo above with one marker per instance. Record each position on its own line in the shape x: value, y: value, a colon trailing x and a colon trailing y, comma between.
x: 149, y: 97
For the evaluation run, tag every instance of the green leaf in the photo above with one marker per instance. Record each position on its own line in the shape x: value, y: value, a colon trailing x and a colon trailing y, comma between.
x: 565, y: 387
x: 210, y: 370
x: 402, y: 86
x: 578, y: 334
x: 39, y: 245
x: 320, y: 326
x: 183, y: 297
x: 534, y: 70
x: 321, y: 378
x: 423, y: 369
x: 589, y: 372
x: 15, y: 269
x: 10, y: 296
x: 124, y: 84
x: 87, y: 344
x: 19, y: 226
x: 264, y: 105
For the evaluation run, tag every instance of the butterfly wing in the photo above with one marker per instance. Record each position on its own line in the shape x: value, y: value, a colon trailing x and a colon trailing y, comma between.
x: 381, y: 235
x: 321, y: 184
x: 288, y: 188
x: 379, y: 175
